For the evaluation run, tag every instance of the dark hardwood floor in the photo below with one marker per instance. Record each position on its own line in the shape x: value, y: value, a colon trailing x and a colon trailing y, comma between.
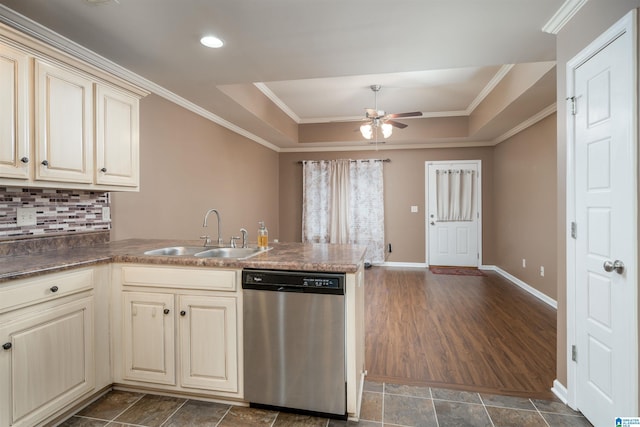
x: 470, y: 333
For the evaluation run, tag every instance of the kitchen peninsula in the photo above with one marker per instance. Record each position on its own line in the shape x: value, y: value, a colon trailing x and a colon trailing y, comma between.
x: 116, y: 317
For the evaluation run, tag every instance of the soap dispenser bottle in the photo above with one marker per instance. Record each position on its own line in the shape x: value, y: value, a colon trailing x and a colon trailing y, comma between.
x: 263, y: 236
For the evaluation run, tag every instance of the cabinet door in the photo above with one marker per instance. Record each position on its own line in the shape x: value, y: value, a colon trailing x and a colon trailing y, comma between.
x: 64, y: 125
x: 117, y: 145
x: 14, y: 114
x: 208, y: 342
x: 46, y: 362
x: 148, y: 332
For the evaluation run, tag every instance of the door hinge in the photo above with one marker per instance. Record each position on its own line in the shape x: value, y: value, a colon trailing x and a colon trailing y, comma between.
x: 574, y: 353
x: 572, y: 107
x: 574, y: 230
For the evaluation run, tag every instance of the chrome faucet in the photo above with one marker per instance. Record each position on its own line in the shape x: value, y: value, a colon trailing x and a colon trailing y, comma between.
x: 244, y: 237
x: 207, y: 239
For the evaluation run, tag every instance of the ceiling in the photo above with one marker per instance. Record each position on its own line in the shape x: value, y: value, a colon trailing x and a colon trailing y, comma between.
x: 293, y: 72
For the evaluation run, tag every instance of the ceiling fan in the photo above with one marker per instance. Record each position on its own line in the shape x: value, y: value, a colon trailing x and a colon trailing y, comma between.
x: 379, y: 120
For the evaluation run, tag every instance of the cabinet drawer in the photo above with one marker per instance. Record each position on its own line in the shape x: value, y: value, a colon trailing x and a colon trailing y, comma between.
x: 181, y: 278
x: 51, y: 286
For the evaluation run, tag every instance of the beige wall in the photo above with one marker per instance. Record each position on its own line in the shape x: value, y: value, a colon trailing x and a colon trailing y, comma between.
x: 594, y: 18
x: 525, y: 205
x: 404, y: 179
x: 189, y: 165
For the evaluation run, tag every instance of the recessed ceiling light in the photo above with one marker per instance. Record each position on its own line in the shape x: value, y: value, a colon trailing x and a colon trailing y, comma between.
x: 211, y: 41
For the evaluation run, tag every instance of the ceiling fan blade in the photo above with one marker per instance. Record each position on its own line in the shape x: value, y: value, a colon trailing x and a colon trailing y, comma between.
x: 396, y: 124
x: 399, y: 115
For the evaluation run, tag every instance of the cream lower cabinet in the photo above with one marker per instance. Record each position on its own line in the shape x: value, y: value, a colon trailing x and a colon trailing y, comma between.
x: 48, y: 346
x: 179, y: 329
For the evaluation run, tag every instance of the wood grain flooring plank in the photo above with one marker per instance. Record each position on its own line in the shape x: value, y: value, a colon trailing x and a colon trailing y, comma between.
x: 479, y: 333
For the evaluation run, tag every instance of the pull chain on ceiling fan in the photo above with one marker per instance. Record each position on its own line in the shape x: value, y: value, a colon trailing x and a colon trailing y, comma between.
x: 378, y: 119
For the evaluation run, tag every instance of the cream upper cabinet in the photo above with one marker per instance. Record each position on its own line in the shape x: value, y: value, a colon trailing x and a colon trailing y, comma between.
x: 63, y: 124
x: 14, y: 114
x: 117, y: 145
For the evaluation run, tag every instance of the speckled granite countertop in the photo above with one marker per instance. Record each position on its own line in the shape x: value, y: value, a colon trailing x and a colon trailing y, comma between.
x: 283, y: 256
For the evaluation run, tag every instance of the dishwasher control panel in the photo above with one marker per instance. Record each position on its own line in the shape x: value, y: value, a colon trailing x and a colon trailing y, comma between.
x: 293, y: 281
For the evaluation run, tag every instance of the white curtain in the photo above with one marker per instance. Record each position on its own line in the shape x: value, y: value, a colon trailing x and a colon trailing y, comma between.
x: 343, y: 202
x: 455, y: 194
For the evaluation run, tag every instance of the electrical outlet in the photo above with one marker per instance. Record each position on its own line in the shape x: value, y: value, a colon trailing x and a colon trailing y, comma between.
x: 542, y: 270
x: 26, y: 217
x: 414, y: 209
x: 524, y: 263
x: 106, y: 213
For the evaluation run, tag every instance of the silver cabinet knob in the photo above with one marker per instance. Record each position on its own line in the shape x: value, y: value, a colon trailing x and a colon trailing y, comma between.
x: 45, y: 163
x: 24, y: 160
x: 103, y: 170
x: 432, y: 223
x: 616, y: 265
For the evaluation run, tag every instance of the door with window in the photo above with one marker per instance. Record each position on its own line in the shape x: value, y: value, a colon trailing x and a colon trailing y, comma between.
x: 453, y: 213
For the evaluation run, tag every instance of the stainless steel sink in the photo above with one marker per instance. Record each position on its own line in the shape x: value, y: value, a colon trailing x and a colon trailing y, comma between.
x: 202, y: 252
x: 176, y: 251
x: 230, y: 253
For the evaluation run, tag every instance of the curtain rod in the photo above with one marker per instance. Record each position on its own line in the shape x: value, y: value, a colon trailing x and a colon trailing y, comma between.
x: 362, y: 160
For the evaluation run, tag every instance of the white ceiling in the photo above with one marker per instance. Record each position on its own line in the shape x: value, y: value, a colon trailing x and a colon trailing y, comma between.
x: 316, y: 59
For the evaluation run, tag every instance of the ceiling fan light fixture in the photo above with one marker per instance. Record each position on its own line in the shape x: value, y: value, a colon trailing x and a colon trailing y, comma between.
x: 366, y: 131
x: 387, y: 130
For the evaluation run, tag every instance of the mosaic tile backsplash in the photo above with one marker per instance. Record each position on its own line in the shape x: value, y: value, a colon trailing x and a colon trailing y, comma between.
x: 57, y: 211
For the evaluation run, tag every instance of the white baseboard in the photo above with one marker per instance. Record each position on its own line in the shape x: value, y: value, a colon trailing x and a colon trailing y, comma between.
x: 533, y: 291
x: 560, y: 391
x: 402, y: 264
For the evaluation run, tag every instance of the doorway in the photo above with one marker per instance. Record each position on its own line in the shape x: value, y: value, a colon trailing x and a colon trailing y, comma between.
x: 602, y: 323
x: 453, y: 223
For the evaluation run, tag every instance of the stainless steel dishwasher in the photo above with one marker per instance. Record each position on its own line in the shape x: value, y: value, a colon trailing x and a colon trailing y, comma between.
x: 294, y: 341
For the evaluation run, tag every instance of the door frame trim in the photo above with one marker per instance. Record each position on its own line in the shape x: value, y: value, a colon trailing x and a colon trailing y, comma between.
x: 626, y: 24
x: 478, y: 163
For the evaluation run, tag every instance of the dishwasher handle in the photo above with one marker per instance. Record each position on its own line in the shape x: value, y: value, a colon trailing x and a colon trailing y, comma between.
x: 290, y: 288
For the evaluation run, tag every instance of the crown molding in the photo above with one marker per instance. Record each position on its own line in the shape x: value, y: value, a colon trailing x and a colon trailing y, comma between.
x: 279, y: 103
x: 497, y: 78
x: 51, y: 38
x: 563, y: 15
x: 527, y: 123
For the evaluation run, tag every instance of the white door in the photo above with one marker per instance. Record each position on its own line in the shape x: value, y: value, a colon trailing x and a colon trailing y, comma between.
x: 605, y: 203
x: 453, y: 237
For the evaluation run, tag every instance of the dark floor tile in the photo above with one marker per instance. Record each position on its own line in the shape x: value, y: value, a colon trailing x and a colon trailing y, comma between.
x: 373, y: 386
x: 198, y: 413
x: 151, y: 411
x: 409, y: 411
x: 371, y: 409
x: 361, y: 423
x: 455, y: 395
x: 554, y: 407
x: 507, y: 402
x: 558, y: 420
x: 505, y: 417
x: 239, y: 416
x: 83, y: 422
x: 111, y: 405
x: 286, y: 419
x: 457, y: 414
x: 408, y: 390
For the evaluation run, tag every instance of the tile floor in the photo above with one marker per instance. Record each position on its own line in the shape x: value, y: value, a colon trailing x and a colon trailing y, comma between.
x: 383, y: 405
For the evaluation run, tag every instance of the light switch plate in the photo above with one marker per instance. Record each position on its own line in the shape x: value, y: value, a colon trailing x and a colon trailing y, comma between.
x: 26, y: 217
x: 414, y: 209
